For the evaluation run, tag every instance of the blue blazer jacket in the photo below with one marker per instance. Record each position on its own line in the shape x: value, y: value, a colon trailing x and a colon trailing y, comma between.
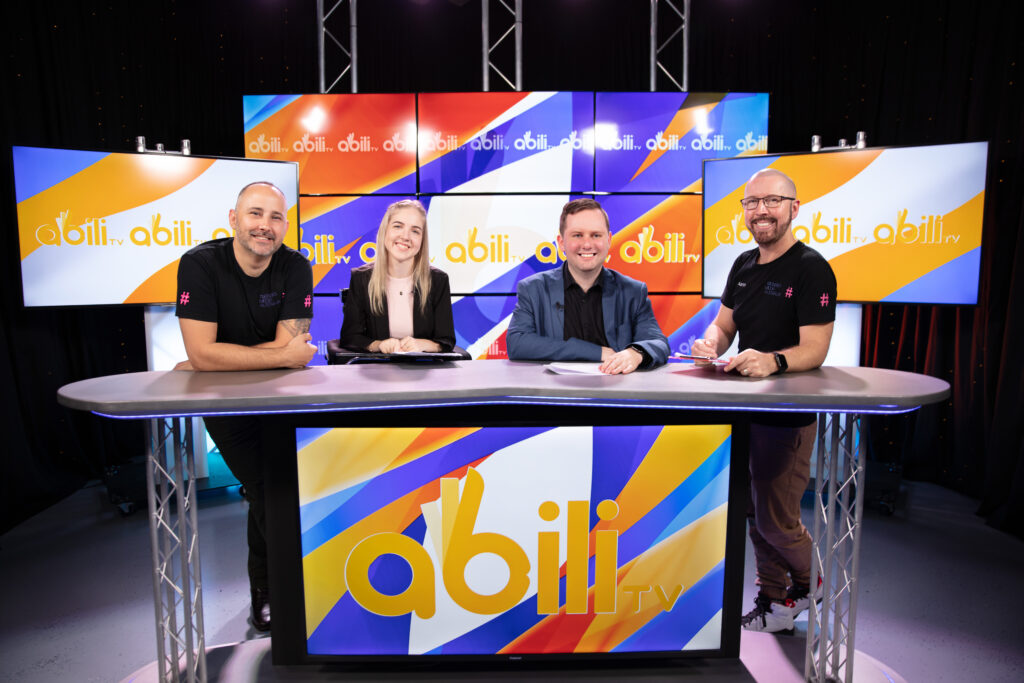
x: 538, y: 321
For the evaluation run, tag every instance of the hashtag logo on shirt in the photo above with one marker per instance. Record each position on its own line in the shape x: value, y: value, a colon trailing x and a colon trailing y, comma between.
x: 789, y: 292
x: 308, y: 301
x: 184, y: 298
x: 824, y: 300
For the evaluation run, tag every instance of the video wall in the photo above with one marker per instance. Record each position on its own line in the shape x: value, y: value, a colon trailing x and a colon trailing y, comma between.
x: 98, y: 228
x: 494, y: 170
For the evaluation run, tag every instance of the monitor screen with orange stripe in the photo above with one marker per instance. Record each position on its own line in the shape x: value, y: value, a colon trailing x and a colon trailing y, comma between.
x: 898, y: 225
x: 98, y: 228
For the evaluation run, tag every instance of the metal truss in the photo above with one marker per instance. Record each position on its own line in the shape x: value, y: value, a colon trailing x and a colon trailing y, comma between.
x: 173, y: 531
x: 680, y: 20
x: 839, y: 504
x: 515, y: 29
x: 325, y: 36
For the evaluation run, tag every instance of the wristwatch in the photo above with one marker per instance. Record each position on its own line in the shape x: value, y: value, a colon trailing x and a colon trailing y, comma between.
x: 780, y: 360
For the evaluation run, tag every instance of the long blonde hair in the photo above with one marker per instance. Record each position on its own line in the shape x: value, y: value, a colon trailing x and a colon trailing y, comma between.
x: 421, y: 264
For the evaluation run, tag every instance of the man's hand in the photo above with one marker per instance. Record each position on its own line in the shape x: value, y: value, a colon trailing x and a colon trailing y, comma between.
x: 751, y: 363
x: 184, y: 365
x: 421, y: 345
x: 298, y: 352
x: 621, y: 363
x: 704, y: 347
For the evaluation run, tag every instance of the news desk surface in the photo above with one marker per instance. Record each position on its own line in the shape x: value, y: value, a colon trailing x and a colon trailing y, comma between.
x: 370, y: 386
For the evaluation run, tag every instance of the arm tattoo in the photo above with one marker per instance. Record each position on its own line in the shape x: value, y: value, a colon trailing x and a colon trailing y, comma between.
x: 296, y: 326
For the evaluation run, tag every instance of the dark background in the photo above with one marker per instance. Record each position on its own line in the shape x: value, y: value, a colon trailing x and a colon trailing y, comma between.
x: 93, y: 75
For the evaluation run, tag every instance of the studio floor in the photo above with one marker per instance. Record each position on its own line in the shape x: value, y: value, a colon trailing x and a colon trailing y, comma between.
x: 940, y: 598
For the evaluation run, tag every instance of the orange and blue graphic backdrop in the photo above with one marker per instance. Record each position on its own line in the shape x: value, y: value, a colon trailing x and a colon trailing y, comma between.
x: 513, y: 539
x: 900, y: 225
x: 495, y: 169
x: 108, y: 228
x: 343, y: 143
x: 655, y: 142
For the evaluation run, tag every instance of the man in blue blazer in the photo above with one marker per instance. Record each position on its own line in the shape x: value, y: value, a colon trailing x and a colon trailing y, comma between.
x: 584, y: 311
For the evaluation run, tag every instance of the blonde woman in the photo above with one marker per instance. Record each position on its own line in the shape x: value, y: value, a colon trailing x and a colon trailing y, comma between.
x: 399, y: 303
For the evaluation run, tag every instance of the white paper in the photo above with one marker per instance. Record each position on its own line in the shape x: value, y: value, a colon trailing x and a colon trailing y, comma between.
x: 574, y: 368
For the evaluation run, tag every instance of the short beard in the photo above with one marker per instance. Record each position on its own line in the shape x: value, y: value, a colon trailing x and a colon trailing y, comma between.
x: 779, y: 230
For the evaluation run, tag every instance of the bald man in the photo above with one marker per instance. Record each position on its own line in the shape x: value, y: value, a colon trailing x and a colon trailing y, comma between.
x: 781, y: 299
x: 245, y: 303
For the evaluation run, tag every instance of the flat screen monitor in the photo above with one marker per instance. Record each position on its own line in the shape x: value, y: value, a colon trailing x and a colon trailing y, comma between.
x: 506, y: 142
x: 655, y: 142
x: 898, y: 225
x: 100, y: 228
x: 509, y: 542
x: 343, y: 144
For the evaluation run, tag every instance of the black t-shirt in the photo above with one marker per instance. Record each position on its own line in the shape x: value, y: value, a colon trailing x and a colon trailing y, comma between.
x: 771, y: 302
x: 213, y: 288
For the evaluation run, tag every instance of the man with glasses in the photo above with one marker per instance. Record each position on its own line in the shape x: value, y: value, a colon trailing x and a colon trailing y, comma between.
x: 781, y: 299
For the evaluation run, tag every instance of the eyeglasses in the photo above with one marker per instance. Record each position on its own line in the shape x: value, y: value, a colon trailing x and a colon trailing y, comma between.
x: 772, y: 201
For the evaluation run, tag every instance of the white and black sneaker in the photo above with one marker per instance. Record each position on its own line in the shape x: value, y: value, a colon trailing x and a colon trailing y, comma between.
x: 798, y: 598
x: 768, y: 615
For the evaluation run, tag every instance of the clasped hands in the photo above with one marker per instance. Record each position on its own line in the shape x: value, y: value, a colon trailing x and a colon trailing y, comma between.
x: 407, y: 344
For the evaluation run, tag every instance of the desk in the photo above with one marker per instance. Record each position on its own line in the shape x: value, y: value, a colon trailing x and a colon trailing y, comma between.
x: 841, y: 395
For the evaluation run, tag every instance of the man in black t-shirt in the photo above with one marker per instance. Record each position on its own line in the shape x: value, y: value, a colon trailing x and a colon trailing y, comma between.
x: 245, y: 303
x: 781, y: 299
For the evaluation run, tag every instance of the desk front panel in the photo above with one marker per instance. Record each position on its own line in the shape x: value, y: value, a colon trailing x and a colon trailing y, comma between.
x: 504, y: 540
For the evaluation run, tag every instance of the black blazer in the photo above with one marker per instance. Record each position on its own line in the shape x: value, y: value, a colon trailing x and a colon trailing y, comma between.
x: 360, y: 327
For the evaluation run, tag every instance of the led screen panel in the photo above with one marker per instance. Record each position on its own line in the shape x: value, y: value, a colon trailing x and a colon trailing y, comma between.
x: 488, y: 243
x: 513, y: 540
x: 344, y: 144
x: 898, y: 225
x: 506, y: 142
x: 481, y: 324
x: 108, y: 228
x: 655, y: 142
x: 339, y: 234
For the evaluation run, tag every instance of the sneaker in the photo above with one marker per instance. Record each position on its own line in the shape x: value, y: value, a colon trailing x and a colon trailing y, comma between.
x: 768, y: 615
x: 798, y: 598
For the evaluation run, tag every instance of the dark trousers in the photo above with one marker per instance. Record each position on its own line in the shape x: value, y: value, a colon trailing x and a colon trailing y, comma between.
x: 238, y: 439
x: 780, y: 467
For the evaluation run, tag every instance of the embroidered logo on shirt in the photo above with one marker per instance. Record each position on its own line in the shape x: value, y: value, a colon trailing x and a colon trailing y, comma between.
x: 183, y: 300
x: 824, y: 299
x: 269, y: 300
x: 308, y: 301
x: 773, y: 288
x: 789, y: 292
